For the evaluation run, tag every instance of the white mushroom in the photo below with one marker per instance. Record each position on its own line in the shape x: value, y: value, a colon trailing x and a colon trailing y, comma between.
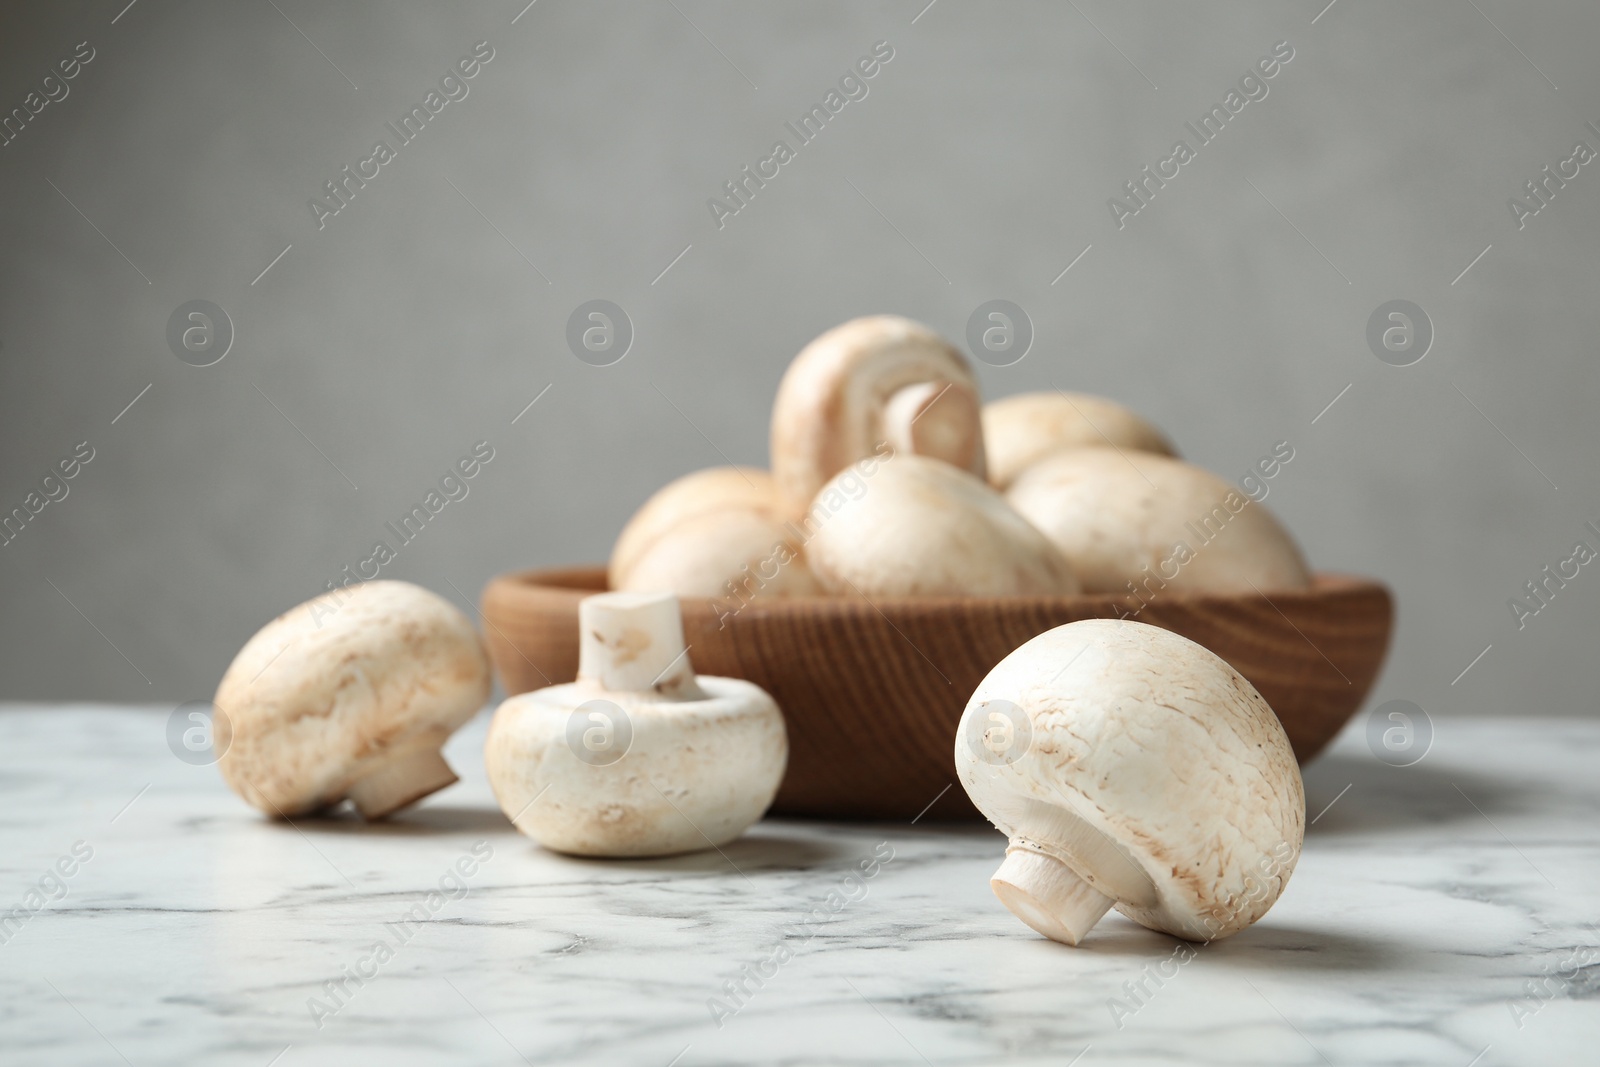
x: 638, y: 757
x: 918, y: 526
x: 709, y: 534
x: 1130, y: 766
x: 1142, y: 523
x: 1018, y: 431
x: 350, y: 695
x: 870, y: 381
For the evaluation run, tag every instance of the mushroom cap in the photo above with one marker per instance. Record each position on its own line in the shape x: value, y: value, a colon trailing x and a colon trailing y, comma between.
x: 708, y: 534
x: 712, y: 490
x: 1150, y: 751
x: 1020, y: 430
x: 696, y: 773
x: 719, y: 554
x: 334, y: 691
x: 919, y: 527
x: 1115, y: 514
x: 835, y: 404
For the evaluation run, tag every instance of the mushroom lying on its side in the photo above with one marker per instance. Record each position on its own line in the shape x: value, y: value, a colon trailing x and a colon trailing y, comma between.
x: 638, y: 757
x: 1130, y: 766
x: 1018, y: 431
x: 920, y: 527
x: 705, y: 534
x: 1138, y: 522
x: 350, y: 695
x: 872, y: 380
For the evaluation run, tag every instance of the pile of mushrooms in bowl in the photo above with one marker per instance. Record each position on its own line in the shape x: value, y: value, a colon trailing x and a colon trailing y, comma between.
x: 908, y: 537
x: 890, y: 478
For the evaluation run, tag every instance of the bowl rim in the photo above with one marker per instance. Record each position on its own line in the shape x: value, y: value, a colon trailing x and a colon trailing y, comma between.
x: 575, y: 581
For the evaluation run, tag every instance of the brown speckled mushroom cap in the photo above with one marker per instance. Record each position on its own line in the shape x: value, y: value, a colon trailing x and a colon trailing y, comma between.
x: 920, y: 527
x: 351, y: 694
x: 1120, y: 517
x: 1129, y: 765
x: 872, y: 380
x: 1018, y: 431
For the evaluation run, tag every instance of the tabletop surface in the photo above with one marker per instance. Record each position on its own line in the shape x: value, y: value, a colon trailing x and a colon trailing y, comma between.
x: 1442, y: 913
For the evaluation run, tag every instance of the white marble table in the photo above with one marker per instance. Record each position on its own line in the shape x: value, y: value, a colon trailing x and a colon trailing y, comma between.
x: 1429, y: 902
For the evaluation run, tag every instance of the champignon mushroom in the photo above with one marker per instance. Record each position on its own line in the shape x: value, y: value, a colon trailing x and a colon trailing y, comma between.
x: 351, y: 694
x: 1021, y: 430
x: 1130, y: 766
x: 915, y: 526
x: 638, y: 757
x: 705, y: 534
x: 1142, y: 523
x: 872, y: 380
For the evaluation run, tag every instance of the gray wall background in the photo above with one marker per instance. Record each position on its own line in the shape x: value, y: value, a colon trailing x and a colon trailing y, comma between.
x: 978, y: 167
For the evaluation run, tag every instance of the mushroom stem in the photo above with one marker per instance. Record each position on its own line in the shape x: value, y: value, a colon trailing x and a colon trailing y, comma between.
x: 1047, y: 895
x: 937, y: 419
x: 400, y: 780
x: 633, y: 643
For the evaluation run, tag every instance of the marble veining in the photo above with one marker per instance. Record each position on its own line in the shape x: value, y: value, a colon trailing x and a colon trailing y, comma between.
x: 1442, y: 913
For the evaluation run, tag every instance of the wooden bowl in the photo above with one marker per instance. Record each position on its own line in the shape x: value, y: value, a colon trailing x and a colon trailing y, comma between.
x: 873, y: 692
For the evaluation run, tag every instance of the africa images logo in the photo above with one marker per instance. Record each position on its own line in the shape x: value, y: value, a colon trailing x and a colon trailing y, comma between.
x: 852, y: 86
x: 1252, y: 86
x: 452, y: 87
